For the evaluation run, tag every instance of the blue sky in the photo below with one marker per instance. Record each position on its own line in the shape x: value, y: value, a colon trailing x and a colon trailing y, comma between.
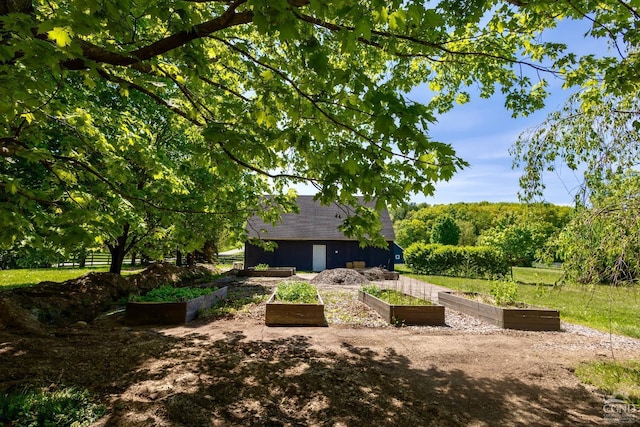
x: 482, y: 131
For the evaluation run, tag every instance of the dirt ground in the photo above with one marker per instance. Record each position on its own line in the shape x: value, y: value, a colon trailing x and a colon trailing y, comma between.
x: 232, y: 370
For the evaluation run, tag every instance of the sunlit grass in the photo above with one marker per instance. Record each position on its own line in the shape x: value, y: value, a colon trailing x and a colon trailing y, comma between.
x: 61, y: 407
x: 615, y: 377
x: 29, y: 277
x: 547, y: 276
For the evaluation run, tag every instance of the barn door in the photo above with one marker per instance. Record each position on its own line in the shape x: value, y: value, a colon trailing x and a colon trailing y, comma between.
x: 319, y: 257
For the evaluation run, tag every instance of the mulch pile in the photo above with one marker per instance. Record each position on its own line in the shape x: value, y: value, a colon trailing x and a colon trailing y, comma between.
x: 83, y: 299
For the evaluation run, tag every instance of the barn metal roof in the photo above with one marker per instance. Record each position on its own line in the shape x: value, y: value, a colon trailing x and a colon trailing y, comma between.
x: 314, y: 222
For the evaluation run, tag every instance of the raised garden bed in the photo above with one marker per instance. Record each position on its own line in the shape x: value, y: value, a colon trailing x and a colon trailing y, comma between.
x: 428, y: 314
x: 168, y: 313
x: 285, y: 313
x: 270, y: 272
x: 525, y: 319
x: 388, y: 275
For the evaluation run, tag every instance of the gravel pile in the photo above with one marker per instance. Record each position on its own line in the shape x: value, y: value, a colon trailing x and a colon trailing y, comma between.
x: 339, y: 276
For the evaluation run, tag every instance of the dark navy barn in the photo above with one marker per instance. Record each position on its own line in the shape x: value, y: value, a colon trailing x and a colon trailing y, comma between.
x: 311, y: 241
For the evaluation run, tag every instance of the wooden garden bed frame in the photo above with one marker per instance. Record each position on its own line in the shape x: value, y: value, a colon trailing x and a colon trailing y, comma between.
x: 168, y: 313
x: 271, y: 272
x: 432, y: 315
x: 525, y: 319
x: 294, y: 314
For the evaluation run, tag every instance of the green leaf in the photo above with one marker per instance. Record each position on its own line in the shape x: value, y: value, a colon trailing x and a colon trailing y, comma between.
x: 61, y: 35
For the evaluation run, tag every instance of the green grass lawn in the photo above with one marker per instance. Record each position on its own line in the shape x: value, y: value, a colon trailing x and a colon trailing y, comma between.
x: 613, y: 377
x: 29, y: 277
x: 603, y: 307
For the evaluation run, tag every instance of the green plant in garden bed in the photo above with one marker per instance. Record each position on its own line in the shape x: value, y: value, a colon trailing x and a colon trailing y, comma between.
x: 393, y: 296
x: 239, y: 300
x: 64, y: 407
x: 171, y: 294
x: 297, y: 292
x: 261, y: 267
x: 504, y: 292
x: 613, y: 377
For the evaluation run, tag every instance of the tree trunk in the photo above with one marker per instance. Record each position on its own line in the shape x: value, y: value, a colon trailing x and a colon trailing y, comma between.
x: 82, y: 260
x: 133, y: 259
x: 118, y: 251
x: 117, y: 258
x: 210, y: 250
x: 191, y: 259
x: 179, y: 258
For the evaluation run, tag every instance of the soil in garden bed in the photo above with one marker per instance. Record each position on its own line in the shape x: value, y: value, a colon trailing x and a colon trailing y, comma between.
x: 399, y: 313
x: 287, y: 313
x: 488, y: 299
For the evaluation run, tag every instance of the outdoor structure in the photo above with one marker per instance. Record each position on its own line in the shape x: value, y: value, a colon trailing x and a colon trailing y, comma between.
x: 311, y: 241
x: 398, y: 254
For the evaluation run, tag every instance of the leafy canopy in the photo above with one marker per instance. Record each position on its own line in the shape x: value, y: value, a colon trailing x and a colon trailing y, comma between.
x: 158, y: 118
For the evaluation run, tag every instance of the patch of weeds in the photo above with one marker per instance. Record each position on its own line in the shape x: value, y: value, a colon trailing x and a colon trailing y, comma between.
x: 504, y: 292
x: 397, y: 322
x: 628, y: 330
x: 65, y: 407
x: 542, y: 289
x: 261, y: 267
x: 394, y: 297
x: 613, y: 377
x: 232, y: 305
x: 372, y: 290
x: 297, y: 292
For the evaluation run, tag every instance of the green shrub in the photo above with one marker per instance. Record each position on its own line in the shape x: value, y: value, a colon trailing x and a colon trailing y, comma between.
x: 416, y: 256
x: 261, y: 267
x: 171, y: 294
x: 27, y: 258
x: 298, y: 292
x: 65, y: 407
x: 463, y: 261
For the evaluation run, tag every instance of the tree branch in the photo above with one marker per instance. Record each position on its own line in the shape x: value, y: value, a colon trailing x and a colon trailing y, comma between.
x: 316, y: 106
x: 156, y: 98
x: 437, y: 46
x: 261, y: 171
x: 229, y: 18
